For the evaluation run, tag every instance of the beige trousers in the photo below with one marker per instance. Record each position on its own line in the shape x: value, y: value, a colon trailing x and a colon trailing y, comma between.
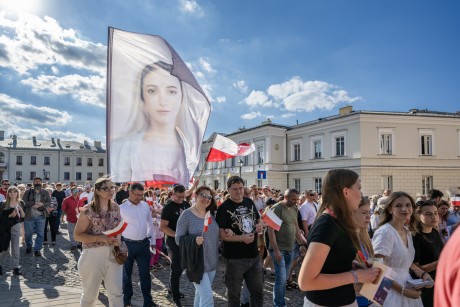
x: 95, y: 265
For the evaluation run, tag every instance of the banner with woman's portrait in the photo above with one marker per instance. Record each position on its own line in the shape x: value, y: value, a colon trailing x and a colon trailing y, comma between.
x: 156, y: 111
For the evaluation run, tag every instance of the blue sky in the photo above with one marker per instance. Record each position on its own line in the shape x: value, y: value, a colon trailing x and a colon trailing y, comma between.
x: 259, y: 59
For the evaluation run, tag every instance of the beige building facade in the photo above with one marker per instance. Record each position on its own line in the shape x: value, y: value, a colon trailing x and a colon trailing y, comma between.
x: 411, y: 151
x: 53, y: 160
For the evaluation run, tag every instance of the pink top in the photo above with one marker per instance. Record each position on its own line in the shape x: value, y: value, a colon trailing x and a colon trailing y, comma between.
x: 100, y: 222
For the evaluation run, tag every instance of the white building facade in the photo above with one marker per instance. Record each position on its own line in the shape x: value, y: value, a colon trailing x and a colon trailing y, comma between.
x: 53, y: 160
x: 411, y: 151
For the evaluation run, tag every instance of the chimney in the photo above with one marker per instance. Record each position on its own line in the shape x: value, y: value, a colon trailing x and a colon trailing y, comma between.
x: 52, y: 141
x: 345, y: 110
x: 97, y: 144
x: 34, y: 139
x: 85, y: 142
x: 59, y: 142
x: 2, y: 135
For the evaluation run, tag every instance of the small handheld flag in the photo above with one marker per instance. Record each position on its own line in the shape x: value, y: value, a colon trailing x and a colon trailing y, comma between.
x: 117, y: 230
x: 207, y: 221
x: 272, y: 220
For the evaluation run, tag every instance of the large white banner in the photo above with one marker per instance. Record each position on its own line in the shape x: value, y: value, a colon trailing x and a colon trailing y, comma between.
x: 156, y: 111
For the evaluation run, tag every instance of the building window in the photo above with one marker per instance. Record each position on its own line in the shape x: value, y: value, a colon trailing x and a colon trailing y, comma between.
x: 316, y: 147
x: 33, y: 175
x: 295, y: 155
x: 18, y: 175
x: 47, y: 175
x: 427, y: 184
x: 386, y: 141
x: 297, y: 183
x: 260, y: 155
x: 426, y: 145
x: 66, y: 175
x: 318, y: 184
x: 2, y: 157
x: 216, y: 184
x: 33, y: 160
x: 90, y: 162
x: 100, y: 175
x: 66, y: 160
x: 46, y: 160
x: 77, y: 176
x: 101, y: 161
x: 89, y: 176
x: 339, y: 140
x: 232, y: 162
x: 18, y: 160
x: 387, y: 182
x: 426, y: 137
x: 246, y: 160
x: 79, y: 161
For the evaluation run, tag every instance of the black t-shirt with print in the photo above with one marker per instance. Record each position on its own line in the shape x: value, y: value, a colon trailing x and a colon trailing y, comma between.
x: 428, y: 247
x: 326, y: 230
x: 171, y: 212
x: 241, y: 218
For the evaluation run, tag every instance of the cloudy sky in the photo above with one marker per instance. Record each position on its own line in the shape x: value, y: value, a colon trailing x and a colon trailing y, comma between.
x: 285, y: 60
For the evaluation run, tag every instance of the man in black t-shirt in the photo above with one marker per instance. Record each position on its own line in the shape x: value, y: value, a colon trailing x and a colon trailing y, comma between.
x: 59, y: 194
x: 169, y: 216
x: 242, y: 259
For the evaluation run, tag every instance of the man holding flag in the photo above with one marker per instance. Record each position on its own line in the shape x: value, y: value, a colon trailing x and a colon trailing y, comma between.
x: 240, y: 251
x: 282, y: 242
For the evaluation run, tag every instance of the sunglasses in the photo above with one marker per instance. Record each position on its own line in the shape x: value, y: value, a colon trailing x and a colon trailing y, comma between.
x: 108, y: 188
x: 208, y: 197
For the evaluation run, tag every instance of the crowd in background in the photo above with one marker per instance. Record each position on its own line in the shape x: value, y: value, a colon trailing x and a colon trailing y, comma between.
x: 334, y: 235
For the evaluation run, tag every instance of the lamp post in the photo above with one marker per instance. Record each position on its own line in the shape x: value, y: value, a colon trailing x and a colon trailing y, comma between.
x: 240, y: 162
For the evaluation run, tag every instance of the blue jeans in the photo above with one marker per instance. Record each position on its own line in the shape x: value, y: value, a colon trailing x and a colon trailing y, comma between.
x: 203, y: 290
x: 281, y: 270
x: 139, y: 251
x: 35, y: 224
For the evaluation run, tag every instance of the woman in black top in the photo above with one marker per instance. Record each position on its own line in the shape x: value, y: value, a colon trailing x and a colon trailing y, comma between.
x: 327, y: 275
x: 427, y: 244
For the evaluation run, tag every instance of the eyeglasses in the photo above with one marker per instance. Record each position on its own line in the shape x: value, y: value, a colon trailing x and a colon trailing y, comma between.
x: 208, y: 197
x: 108, y: 188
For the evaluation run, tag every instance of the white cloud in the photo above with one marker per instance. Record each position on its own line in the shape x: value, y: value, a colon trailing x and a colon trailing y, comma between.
x: 241, y: 86
x: 44, y: 133
x: 55, y: 70
x: 287, y: 115
x: 87, y: 90
x: 258, y: 98
x: 221, y: 99
x: 296, y: 95
x: 28, y: 42
x: 192, y: 7
x: 15, y: 111
x: 206, y: 66
x: 251, y: 115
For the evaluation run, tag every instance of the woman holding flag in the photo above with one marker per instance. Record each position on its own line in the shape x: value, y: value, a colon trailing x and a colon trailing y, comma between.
x: 199, y: 221
x: 99, y: 228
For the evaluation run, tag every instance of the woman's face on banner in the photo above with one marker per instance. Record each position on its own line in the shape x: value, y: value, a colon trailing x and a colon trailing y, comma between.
x: 162, y: 96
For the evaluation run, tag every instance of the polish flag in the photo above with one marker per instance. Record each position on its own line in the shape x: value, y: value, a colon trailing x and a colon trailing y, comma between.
x: 117, y: 230
x: 245, y: 149
x: 272, y: 220
x: 455, y: 201
x: 207, y: 221
x: 222, y: 149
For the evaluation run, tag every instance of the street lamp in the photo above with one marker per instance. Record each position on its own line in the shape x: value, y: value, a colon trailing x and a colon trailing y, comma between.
x: 240, y: 162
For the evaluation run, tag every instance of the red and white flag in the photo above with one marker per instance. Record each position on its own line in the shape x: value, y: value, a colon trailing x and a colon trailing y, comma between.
x: 455, y: 201
x: 207, y: 221
x: 245, y: 149
x: 117, y: 230
x: 222, y: 149
x: 272, y: 220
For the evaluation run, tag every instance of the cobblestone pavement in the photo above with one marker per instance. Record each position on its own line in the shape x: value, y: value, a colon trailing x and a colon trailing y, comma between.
x: 56, y: 272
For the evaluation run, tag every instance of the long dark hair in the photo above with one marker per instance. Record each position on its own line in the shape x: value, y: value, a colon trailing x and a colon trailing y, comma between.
x: 334, y: 183
x: 212, y: 206
x: 386, y: 217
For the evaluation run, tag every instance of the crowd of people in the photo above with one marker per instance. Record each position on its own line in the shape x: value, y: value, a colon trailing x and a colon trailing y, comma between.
x: 335, y: 235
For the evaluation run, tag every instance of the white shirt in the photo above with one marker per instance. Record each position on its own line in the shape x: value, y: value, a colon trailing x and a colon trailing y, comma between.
x: 139, y: 219
x: 308, y: 212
